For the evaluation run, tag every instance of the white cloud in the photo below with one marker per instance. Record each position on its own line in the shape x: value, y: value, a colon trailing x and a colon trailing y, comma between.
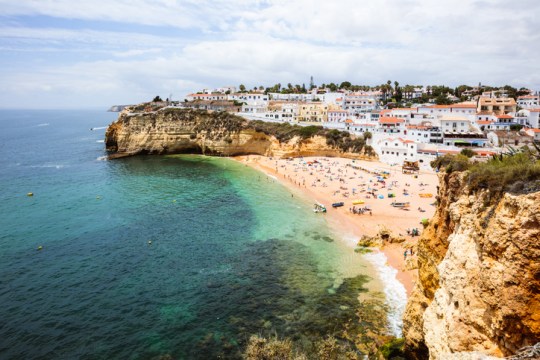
x: 265, y: 42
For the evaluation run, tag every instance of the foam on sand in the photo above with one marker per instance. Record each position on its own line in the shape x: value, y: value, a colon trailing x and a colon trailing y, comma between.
x: 394, y: 291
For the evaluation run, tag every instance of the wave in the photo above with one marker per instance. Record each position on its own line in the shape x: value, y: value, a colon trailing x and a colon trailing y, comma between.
x: 102, y: 158
x: 47, y: 166
x: 100, y: 141
x: 98, y: 128
x: 44, y: 124
x: 394, y: 291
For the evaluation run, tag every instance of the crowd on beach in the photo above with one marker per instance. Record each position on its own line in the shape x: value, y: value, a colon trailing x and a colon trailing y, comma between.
x: 391, y: 199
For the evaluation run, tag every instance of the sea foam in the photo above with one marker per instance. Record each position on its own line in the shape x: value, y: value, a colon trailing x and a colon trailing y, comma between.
x: 395, y: 293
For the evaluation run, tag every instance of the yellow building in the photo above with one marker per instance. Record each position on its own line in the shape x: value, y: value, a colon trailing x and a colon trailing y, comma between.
x: 497, y: 106
x: 313, y: 112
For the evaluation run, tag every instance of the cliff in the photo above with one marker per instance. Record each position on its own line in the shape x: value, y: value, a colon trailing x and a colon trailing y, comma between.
x: 479, y: 274
x: 172, y: 131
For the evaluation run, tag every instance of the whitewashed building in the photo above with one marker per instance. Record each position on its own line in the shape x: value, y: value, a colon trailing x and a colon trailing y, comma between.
x: 396, y: 150
x: 528, y: 101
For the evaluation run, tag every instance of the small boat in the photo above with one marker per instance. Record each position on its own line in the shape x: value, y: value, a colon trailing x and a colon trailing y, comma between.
x: 401, y: 204
x: 425, y: 195
x: 319, y: 208
x: 358, y: 202
x: 338, y: 204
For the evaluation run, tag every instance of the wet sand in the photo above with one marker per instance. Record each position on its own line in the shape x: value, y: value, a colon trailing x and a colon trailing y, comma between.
x: 332, y: 180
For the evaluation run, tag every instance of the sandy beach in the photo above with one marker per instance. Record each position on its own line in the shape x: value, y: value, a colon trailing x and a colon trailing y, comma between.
x: 373, y: 186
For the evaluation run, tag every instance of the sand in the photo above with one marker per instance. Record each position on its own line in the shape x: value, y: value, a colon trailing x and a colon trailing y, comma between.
x: 332, y: 180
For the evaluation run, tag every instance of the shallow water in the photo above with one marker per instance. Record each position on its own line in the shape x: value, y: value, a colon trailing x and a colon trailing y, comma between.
x: 232, y: 253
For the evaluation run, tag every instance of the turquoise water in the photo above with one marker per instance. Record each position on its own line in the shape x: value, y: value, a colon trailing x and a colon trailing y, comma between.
x: 232, y: 253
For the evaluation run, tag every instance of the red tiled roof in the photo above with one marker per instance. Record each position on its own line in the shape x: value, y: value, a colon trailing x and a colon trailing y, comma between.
x: 390, y: 120
x: 505, y: 116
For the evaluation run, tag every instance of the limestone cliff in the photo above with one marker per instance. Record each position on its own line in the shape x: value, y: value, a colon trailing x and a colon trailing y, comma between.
x: 479, y: 275
x: 168, y: 131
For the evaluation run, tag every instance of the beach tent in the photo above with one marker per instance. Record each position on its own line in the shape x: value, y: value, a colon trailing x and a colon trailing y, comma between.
x: 381, y: 196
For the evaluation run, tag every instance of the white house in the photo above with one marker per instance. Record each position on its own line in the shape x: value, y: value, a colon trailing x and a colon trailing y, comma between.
x: 206, y: 97
x: 456, y: 124
x: 337, y: 115
x: 466, y: 108
x: 292, y: 97
x: 528, y: 117
x: 396, y: 150
x: 528, y: 101
x: 248, y: 98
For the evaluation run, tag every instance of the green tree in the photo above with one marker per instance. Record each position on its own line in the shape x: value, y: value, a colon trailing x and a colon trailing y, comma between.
x: 242, y: 87
x: 368, y: 135
x: 442, y: 99
x: 157, y: 99
x: 345, y: 85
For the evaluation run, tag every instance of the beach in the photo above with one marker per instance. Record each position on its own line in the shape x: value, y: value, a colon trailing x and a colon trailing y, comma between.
x: 381, y: 193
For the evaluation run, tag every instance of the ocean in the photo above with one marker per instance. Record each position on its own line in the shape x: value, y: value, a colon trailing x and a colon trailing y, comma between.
x: 156, y: 256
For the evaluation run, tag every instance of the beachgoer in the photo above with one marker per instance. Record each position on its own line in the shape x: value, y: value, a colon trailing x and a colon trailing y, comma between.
x: 405, y: 255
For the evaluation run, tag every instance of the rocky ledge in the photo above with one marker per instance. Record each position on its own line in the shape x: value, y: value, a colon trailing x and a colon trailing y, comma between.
x: 173, y: 131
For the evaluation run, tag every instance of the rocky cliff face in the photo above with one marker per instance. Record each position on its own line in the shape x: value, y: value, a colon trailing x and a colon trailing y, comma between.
x: 199, y: 132
x: 479, y: 275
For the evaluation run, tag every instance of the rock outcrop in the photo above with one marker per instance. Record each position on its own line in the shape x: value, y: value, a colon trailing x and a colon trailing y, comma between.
x: 479, y: 275
x: 170, y: 131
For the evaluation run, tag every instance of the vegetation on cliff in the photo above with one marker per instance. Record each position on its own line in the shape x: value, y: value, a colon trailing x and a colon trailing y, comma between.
x: 335, y: 138
x: 517, y: 171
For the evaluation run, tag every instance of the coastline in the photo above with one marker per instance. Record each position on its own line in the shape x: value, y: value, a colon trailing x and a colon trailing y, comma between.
x: 328, y: 180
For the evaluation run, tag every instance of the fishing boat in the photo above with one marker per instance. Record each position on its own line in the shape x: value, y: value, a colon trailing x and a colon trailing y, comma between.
x: 338, y: 204
x: 358, y: 202
x: 319, y: 208
x: 401, y: 204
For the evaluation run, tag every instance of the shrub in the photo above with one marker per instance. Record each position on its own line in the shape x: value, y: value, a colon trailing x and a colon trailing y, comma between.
x: 500, y: 173
x: 451, y: 163
x: 468, y: 152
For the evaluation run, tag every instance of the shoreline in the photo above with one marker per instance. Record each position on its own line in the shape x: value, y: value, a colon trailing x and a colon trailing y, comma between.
x: 328, y: 180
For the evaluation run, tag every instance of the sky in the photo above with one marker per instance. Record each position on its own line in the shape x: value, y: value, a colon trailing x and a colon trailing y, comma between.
x: 96, y: 53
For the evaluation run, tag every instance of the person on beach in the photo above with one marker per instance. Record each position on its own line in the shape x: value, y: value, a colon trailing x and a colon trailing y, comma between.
x: 405, y: 255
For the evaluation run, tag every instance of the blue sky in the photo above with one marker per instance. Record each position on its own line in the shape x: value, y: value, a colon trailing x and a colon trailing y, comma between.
x: 75, y: 54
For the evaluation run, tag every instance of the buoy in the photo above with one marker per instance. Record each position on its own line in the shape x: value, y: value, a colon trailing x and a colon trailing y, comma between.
x: 40, y: 247
x: 98, y: 197
x: 149, y: 242
x: 30, y: 194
